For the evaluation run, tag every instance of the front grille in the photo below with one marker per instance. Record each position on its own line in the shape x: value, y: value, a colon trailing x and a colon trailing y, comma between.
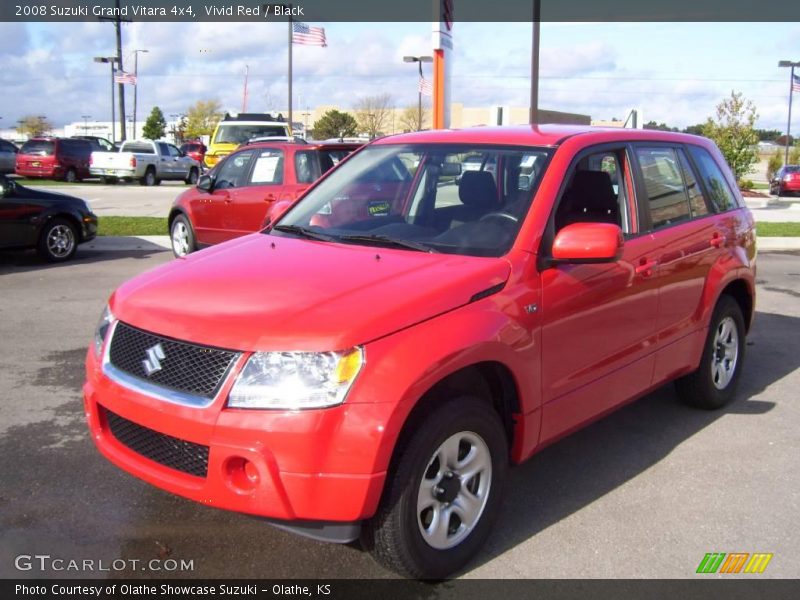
x: 164, y: 449
x: 196, y: 370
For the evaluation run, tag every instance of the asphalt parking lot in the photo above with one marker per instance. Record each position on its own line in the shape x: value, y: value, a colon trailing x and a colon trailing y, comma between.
x: 644, y: 493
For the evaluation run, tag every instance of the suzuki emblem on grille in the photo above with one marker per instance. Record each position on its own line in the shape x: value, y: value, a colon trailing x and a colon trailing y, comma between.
x: 152, y: 363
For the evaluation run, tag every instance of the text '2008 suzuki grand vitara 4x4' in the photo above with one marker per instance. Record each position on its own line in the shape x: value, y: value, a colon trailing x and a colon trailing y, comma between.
x: 370, y: 364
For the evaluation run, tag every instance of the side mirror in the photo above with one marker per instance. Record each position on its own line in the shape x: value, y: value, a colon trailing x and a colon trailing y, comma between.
x: 205, y: 183
x: 588, y: 243
x: 276, y: 211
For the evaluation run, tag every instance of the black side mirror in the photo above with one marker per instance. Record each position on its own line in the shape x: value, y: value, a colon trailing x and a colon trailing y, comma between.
x: 205, y: 183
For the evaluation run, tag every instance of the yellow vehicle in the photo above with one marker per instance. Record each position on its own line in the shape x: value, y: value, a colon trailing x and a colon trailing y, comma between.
x: 236, y: 129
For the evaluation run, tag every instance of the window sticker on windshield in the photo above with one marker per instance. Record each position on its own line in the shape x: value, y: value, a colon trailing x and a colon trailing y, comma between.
x: 264, y: 171
x: 378, y: 208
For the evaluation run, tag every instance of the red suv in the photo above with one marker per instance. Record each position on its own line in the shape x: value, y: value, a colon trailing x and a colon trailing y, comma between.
x: 54, y: 158
x: 195, y: 150
x: 234, y: 198
x: 371, y: 364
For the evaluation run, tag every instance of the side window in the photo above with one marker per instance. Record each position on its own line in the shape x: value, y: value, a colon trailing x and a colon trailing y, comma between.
x: 163, y: 149
x: 697, y: 201
x: 173, y: 151
x: 666, y: 194
x: 268, y: 169
x: 722, y: 198
x: 597, y: 192
x: 233, y: 172
x: 306, y: 167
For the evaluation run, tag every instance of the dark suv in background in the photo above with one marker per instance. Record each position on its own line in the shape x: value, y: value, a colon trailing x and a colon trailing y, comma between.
x: 54, y: 158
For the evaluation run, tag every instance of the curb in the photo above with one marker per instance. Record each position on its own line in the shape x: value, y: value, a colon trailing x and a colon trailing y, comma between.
x: 767, y: 244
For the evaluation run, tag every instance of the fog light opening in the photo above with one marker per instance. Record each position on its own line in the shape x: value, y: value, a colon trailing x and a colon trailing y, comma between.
x: 241, y: 475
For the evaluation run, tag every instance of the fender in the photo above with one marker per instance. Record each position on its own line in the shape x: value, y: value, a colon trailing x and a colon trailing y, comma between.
x: 406, y: 365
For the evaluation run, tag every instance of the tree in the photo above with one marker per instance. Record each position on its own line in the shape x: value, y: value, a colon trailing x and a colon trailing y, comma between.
x: 794, y: 154
x: 775, y: 162
x: 781, y: 140
x: 659, y: 126
x: 335, y: 124
x: 202, y: 118
x: 734, y: 133
x: 155, y: 126
x: 32, y: 126
x: 372, y: 114
x: 695, y: 129
x: 768, y: 135
x: 410, y: 121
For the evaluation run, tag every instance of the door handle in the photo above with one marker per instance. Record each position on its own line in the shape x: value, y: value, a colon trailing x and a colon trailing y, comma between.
x: 269, y: 197
x: 717, y: 240
x: 645, y: 267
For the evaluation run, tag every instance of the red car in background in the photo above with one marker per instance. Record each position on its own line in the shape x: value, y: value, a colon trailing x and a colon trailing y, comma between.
x: 54, y: 158
x: 194, y: 149
x: 233, y: 199
x: 786, y: 181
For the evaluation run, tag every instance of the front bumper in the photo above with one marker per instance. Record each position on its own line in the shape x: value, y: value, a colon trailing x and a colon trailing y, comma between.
x: 88, y: 227
x: 294, y: 466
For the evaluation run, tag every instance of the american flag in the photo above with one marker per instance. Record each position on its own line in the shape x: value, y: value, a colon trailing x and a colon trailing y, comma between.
x: 795, y: 83
x: 307, y: 35
x: 425, y: 87
x: 123, y: 77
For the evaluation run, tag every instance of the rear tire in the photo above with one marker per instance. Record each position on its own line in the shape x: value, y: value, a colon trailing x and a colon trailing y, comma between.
x: 71, y: 176
x: 714, y: 382
x: 443, y: 493
x: 58, y: 241
x: 182, y: 237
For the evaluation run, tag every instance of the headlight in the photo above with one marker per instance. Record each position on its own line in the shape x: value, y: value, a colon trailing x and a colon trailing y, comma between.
x: 106, y: 320
x: 294, y: 380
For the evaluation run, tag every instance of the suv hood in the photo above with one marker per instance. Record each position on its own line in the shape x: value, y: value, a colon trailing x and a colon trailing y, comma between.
x: 264, y: 292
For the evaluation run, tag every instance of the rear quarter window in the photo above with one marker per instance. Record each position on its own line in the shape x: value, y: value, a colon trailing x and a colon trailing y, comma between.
x: 38, y: 147
x: 716, y: 184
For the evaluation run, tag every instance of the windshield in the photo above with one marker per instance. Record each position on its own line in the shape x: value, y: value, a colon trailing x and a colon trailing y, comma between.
x: 38, y: 148
x: 237, y: 133
x: 423, y: 197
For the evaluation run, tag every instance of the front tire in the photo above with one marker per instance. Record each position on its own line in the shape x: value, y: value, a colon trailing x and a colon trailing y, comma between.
x: 182, y: 237
x: 192, y: 178
x: 71, y: 176
x: 444, y: 491
x: 714, y: 382
x: 58, y: 241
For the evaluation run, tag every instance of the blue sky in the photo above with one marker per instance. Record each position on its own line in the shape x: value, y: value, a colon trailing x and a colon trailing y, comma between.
x: 674, y: 72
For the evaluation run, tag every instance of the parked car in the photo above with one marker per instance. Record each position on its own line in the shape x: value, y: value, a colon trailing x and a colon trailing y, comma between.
x: 786, y: 181
x: 234, y: 198
x: 52, y: 223
x: 370, y: 364
x: 145, y: 161
x: 8, y: 156
x: 195, y: 149
x: 236, y: 129
x: 97, y: 142
x: 54, y: 158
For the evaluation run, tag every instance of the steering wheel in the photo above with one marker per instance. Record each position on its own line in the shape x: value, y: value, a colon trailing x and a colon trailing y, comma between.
x: 499, y: 215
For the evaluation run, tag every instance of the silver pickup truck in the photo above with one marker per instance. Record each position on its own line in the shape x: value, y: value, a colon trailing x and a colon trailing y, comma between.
x: 146, y: 161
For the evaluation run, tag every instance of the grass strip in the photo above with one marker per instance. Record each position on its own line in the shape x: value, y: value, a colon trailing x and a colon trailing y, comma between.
x: 126, y: 226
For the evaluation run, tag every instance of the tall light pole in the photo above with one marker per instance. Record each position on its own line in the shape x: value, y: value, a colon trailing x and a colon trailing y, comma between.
x: 110, y: 60
x: 419, y: 60
x: 85, y: 126
x: 789, y: 63
x: 136, y: 84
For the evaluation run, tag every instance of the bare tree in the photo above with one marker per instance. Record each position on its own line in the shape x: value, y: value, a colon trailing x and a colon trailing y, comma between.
x: 410, y: 118
x: 373, y: 114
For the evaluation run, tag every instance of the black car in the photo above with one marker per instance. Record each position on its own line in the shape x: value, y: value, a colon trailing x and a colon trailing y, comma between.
x: 52, y: 223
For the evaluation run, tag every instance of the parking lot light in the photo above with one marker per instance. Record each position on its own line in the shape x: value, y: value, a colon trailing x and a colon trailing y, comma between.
x: 419, y: 60
x: 110, y: 60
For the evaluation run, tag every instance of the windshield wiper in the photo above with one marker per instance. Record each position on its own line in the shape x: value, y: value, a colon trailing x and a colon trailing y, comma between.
x: 385, y: 240
x: 306, y: 233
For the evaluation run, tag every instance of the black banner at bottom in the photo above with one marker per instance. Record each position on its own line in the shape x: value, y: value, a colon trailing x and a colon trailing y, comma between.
x: 463, y: 589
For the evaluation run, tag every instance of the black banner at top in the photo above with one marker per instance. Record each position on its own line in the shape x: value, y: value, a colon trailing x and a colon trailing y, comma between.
x: 400, y: 10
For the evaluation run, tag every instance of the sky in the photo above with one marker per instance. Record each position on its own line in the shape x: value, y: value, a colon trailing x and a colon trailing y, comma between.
x: 675, y: 73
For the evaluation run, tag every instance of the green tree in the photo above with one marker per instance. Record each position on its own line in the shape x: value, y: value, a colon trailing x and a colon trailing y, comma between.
x: 794, y: 154
x: 155, y: 126
x: 775, y: 162
x: 334, y: 124
x: 734, y: 133
x: 695, y: 129
x: 202, y: 117
x: 659, y: 126
x: 32, y: 126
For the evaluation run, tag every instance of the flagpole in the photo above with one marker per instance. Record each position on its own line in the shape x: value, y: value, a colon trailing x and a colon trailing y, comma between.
x: 290, y: 68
